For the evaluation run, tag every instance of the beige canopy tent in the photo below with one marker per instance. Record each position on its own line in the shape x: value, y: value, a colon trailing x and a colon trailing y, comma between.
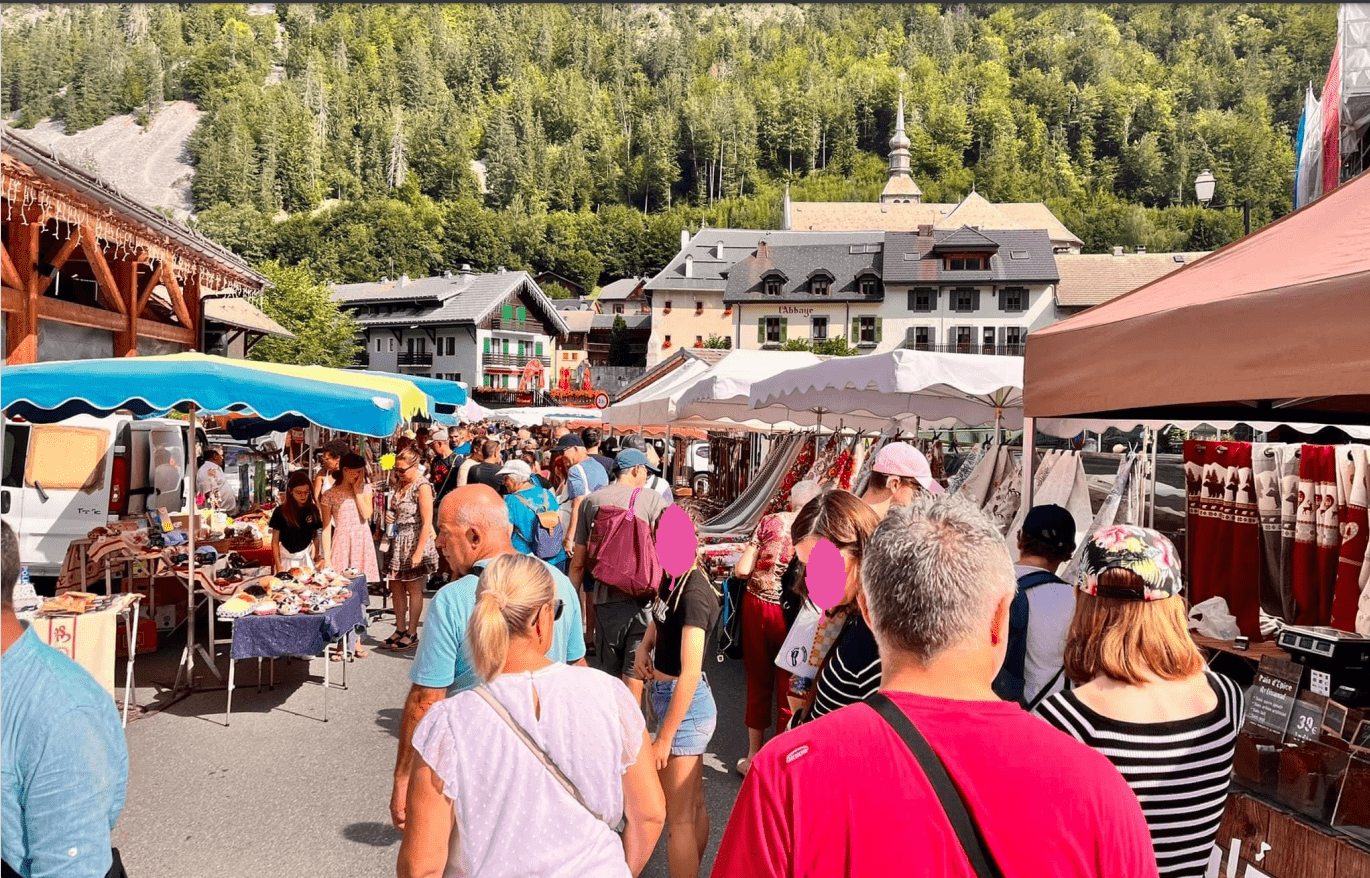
x: 1273, y: 327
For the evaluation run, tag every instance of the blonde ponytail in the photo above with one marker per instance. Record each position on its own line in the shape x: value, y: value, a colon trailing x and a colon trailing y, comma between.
x: 511, y: 591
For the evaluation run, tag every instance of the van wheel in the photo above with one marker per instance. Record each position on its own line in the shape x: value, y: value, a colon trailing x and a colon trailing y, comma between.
x: 700, y: 485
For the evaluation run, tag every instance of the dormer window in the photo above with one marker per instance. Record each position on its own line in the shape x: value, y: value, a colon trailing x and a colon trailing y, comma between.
x: 771, y: 286
x: 819, y: 286
x: 868, y: 286
x: 966, y: 263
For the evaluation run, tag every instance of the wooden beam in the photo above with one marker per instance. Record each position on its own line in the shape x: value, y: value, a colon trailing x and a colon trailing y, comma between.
x: 126, y: 341
x: 8, y: 272
x: 21, y: 332
x: 166, y: 332
x: 80, y: 315
x: 12, y: 300
x: 195, y: 308
x: 178, y: 302
x: 104, y: 277
x: 151, y: 284
x: 60, y: 259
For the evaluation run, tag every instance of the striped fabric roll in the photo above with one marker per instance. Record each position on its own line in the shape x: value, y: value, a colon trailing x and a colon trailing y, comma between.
x: 1179, y: 770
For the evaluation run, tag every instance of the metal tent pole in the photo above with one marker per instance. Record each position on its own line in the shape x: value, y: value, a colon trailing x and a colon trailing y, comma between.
x: 1029, y: 428
x: 1151, y: 515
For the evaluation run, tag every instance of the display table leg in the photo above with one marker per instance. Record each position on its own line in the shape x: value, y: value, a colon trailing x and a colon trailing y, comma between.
x: 128, y: 668
x: 228, y: 704
x: 327, y: 660
x: 259, y: 675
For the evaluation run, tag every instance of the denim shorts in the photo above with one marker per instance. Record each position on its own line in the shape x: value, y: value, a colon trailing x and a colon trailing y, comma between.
x: 697, y: 728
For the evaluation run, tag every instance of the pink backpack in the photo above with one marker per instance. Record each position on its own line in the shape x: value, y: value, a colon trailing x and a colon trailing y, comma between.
x: 622, y: 551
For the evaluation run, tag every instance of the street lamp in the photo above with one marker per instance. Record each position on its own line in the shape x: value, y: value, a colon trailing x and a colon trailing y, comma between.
x: 1205, y: 183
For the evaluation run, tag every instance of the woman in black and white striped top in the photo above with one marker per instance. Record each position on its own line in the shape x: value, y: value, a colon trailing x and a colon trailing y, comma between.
x: 1144, y: 698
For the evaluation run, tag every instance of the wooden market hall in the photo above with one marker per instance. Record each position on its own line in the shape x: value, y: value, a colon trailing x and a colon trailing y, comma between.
x: 90, y: 272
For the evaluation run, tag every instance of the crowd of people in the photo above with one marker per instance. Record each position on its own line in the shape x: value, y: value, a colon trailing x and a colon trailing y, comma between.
x: 559, y: 687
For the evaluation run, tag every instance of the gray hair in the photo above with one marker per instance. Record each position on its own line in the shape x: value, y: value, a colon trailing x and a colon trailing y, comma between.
x: 932, y: 573
x: 9, y: 563
x: 802, y: 492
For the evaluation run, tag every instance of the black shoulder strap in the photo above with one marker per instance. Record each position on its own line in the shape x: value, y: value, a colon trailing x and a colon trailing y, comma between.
x: 1036, y: 578
x: 1046, y: 690
x: 967, y: 830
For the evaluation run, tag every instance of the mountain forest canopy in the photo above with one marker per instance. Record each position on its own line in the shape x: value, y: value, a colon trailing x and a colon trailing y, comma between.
x: 346, y: 136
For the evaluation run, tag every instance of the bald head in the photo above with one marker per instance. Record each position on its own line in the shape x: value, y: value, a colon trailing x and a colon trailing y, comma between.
x: 473, y: 525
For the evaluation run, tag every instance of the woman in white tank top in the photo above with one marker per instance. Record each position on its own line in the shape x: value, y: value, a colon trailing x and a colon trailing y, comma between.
x: 486, y: 800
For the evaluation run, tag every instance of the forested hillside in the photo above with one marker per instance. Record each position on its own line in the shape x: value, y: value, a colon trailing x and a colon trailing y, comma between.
x: 345, y: 134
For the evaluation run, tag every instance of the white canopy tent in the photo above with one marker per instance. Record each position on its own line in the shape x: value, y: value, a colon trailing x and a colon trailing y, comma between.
x: 655, y: 405
x: 903, y: 386
x: 532, y: 416
x: 719, y: 397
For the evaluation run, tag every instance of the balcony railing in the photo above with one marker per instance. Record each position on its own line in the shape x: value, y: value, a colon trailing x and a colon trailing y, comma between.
x: 993, y: 350
x: 515, y: 325
x: 493, y: 359
x: 361, y: 359
x: 420, y: 359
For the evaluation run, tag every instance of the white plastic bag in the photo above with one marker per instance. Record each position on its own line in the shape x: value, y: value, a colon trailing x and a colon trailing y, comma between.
x: 794, y: 652
x: 1212, y: 618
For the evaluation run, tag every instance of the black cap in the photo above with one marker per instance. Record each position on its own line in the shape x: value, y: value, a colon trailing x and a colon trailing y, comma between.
x: 570, y: 440
x: 1052, y: 526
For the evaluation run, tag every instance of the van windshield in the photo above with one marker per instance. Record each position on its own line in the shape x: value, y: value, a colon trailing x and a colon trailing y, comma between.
x: 64, y: 458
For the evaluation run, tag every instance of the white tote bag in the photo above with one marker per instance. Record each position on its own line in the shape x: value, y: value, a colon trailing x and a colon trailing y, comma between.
x: 794, y: 653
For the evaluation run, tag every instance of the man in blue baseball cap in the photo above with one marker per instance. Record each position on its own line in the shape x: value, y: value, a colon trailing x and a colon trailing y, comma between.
x: 1039, y: 616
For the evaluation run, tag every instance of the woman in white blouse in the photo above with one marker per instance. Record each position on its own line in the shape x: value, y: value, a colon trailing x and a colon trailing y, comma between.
x: 486, y: 800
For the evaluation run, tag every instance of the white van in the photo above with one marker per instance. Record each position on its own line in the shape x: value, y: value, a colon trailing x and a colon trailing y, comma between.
x: 61, y: 480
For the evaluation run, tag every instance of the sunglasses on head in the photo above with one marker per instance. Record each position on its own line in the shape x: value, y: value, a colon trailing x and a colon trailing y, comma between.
x: 557, y: 609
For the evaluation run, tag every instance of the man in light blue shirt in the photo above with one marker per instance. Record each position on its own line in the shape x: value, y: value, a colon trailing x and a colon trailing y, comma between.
x: 473, y: 527
x: 63, y: 759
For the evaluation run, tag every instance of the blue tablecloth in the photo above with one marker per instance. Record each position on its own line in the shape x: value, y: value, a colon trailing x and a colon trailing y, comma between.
x: 304, y: 634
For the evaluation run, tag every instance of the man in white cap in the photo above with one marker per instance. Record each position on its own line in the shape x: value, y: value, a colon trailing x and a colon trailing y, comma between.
x: 525, y: 500
x: 900, y: 471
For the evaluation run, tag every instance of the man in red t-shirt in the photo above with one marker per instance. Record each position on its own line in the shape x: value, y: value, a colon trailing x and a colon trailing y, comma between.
x: 844, y: 796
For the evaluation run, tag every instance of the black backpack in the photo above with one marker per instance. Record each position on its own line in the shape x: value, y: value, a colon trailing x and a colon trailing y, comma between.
x: 1011, y: 680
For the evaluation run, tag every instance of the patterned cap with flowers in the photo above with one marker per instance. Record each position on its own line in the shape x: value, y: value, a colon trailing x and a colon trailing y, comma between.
x: 1144, y: 552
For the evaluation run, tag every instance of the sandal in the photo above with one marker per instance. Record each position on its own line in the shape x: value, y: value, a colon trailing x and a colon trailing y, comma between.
x: 406, y: 643
x: 391, y: 641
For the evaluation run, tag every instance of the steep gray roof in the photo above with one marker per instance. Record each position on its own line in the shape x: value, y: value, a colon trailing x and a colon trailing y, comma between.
x: 1024, y: 256
x: 965, y: 238
x: 632, y: 321
x: 455, y: 298
x: 844, y: 264
x: 619, y: 289
x: 708, y: 267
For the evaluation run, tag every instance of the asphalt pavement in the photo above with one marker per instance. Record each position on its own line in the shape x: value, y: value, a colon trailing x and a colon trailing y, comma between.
x: 280, y: 793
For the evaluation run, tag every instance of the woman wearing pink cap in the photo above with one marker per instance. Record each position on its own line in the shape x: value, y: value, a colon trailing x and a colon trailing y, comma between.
x: 897, y: 475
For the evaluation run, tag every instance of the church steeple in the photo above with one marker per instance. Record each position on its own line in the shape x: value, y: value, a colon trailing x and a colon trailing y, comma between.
x: 900, y: 188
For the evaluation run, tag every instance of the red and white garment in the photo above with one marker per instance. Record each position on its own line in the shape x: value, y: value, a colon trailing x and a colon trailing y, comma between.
x: 1223, y: 535
x: 1351, y: 594
x: 1317, y: 536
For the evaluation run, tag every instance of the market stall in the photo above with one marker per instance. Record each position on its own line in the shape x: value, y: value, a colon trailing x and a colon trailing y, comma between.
x: 1267, y: 521
x: 334, y: 398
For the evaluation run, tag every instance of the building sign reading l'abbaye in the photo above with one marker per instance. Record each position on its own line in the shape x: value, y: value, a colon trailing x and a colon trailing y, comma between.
x: 1271, y: 700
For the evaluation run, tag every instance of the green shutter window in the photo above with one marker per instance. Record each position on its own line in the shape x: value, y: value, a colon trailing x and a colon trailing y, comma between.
x: 761, y: 330
x: 487, y: 344
x: 521, y: 313
x: 504, y: 344
x: 507, y: 312
x: 538, y: 348
x: 784, y: 329
x: 879, y: 329
x: 855, y: 330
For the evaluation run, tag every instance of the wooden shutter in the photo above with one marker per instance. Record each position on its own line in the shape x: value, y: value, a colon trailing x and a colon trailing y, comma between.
x: 975, y: 300
x: 521, y: 313
x: 487, y: 344
x: 879, y: 329
x: 761, y: 330
x: 855, y: 330
x: 538, y: 348
x: 784, y: 329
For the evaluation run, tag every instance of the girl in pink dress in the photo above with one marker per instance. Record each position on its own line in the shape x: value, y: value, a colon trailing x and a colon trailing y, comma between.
x: 347, y: 508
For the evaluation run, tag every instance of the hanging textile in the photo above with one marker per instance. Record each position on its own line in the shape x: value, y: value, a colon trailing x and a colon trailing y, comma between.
x: 864, y: 473
x: 1353, y: 483
x: 1108, y: 511
x: 1275, y: 467
x: 1061, y: 481
x: 973, y: 457
x: 858, y: 462
x: 1317, y: 536
x: 1223, y: 530
x: 802, y: 462
x: 980, y: 485
x: 819, y: 471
